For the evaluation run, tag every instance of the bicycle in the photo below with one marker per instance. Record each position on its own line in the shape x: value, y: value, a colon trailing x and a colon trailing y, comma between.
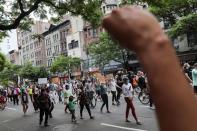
x: 144, y: 97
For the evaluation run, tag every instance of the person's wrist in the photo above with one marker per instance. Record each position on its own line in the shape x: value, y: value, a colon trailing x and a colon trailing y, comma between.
x: 153, y: 44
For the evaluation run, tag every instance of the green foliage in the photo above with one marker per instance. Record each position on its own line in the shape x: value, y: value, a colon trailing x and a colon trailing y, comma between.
x: 2, y: 61
x: 17, y: 14
x: 63, y: 63
x: 106, y: 50
x: 9, y: 74
x: 187, y: 24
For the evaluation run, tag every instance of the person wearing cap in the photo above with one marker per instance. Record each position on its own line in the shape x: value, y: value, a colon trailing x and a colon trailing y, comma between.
x: 194, y: 77
x: 128, y: 93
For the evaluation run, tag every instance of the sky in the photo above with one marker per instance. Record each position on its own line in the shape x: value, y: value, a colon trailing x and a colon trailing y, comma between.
x: 9, y: 43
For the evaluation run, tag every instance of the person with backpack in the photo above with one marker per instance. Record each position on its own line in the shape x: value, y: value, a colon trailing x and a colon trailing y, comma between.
x: 24, y: 100
x: 44, y: 105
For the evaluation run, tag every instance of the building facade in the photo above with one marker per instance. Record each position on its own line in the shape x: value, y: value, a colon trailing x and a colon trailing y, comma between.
x: 13, y: 57
x: 55, y: 41
x: 31, y: 48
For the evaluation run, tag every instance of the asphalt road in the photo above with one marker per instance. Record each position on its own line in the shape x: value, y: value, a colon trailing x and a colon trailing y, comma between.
x: 12, y: 119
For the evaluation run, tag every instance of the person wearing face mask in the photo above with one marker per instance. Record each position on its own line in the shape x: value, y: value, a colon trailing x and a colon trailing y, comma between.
x: 128, y: 95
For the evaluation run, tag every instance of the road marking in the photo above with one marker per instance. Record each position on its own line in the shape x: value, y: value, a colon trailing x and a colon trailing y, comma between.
x: 121, y: 127
x: 5, y: 121
x: 144, y: 106
x: 11, y: 108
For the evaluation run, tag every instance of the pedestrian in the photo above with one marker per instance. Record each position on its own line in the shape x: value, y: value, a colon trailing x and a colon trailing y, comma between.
x: 71, y: 107
x: 30, y: 91
x: 67, y: 94
x: 128, y: 93
x: 52, y: 99
x: 24, y: 99
x: 104, y: 97
x: 119, y: 82
x: 15, y: 94
x: 112, y: 86
x: 35, y: 98
x: 194, y: 77
x: 44, y: 105
x: 10, y: 96
x: 84, y: 101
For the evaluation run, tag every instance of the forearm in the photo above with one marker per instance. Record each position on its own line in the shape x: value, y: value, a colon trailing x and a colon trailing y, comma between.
x: 169, y: 88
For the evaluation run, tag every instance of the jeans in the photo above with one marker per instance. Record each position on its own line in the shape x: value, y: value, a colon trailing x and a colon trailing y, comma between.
x: 72, y: 115
x: 15, y: 99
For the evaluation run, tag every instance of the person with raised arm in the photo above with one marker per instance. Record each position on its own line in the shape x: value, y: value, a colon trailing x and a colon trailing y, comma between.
x: 138, y: 30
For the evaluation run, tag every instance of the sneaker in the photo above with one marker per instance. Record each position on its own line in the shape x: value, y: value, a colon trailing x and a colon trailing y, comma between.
x: 127, y: 120
x: 92, y: 117
x: 113, y: 104
x: 138, y: 123
x: 108, y: 112
x: 46, y: 125
x: 81, y: 118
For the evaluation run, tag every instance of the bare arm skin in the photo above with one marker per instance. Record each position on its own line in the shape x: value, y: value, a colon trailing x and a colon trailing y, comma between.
x: 139, y: 31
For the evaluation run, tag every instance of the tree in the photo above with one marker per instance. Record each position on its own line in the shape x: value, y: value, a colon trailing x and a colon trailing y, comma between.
x: 62, y: 64
x: 29, y: 72
x: 9, y: 74
x: 2, y: 61
x: 16, y: 13
x: 41, y: 72
x: 106, y: 50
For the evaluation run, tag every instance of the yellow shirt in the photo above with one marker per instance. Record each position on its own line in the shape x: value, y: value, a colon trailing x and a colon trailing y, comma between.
x: 30, y: 91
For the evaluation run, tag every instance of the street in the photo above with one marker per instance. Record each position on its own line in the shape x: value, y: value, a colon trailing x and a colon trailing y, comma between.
x: 12, y: 119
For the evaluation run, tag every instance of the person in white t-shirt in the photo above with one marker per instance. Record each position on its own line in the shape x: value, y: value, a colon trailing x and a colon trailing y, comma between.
x: 112, y: 86
x: 128, y: 95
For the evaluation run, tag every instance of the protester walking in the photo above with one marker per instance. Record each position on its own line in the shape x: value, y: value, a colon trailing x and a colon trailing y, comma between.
x: 104, y: 97
x: 128, y: 93
x: 112, y: 85
x: 71, y: 107
x: 24, y: 100
x: 44, y: 105
x: 84, y: 101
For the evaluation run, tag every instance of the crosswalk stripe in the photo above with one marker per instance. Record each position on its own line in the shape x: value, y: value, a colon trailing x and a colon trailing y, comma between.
x: 121, y: 127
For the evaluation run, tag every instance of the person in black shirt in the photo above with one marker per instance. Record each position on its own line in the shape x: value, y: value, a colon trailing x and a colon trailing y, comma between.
x: 84, y: 101
x: 44, y: 105
x: 119, y: 81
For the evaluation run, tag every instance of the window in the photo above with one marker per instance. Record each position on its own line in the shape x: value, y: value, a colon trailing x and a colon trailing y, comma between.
x: 49, y: 62
x: 49, y: 51
x: 192, y: 39
x: 104, y: 10
x: 26, y: 39
x: 23, y: 49
x: 95, y: 33
x: 31, y: 46
x: 23, y: 42
x: 73, y: 44
x: 32, y: 55
x: 27, y: 48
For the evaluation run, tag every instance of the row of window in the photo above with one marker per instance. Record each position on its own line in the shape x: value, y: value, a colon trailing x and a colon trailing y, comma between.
x: 31, y: 46
x: 56, y: 50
